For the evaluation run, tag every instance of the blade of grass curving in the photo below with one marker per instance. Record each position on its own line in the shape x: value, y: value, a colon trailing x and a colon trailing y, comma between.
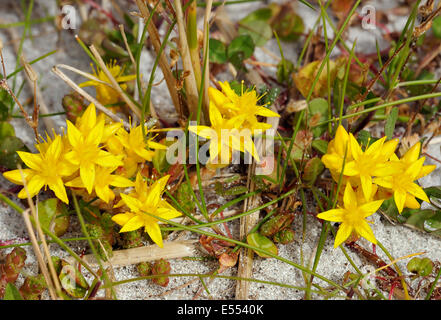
x: 17, y: 70
x: 139, y: 51
x: 345, y: 82
x: 25, y: 244
x: 23, y: 37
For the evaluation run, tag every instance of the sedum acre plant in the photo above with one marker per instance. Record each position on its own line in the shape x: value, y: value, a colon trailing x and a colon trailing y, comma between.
x: 369, y: 177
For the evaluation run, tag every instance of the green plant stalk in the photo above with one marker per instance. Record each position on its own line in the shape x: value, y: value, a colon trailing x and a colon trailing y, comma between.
x: 23, y: 37
x: 17, y: 70
x: 198, y: 203
x: 345, y: 82
x: 322, y: 65
x: 191, y: 86
x: 308, y: 39
x: 89, y: 240
x: 181, y: 209
x: 433, y: 286
x: 146, y: 100
x: 139, y: 51
x: 225, y: 3
x: 328, y: 53
x: 320, y: 246
x: 16, y: 116
x: 328, y: 69
x: 343, y: 42
x: 86, y: 49
x: 234, y: 201
x: 25, y: 244
x: 198, y: 120
x: 192, y: 39
x: 22, y: 23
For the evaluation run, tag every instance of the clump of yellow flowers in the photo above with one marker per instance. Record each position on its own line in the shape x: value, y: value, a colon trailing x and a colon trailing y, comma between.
x: 232, y: 117
x: 368, y: 178
x: 94, y: 155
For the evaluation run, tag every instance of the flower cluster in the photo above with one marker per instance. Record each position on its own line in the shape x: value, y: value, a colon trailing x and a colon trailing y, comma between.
x: 97, y: 154
x: 232, y: 117
x: 105, y: 94
x: 368, y: 178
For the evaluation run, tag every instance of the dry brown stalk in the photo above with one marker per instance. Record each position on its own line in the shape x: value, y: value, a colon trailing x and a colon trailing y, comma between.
x: 171, y: 250
x: 48, y: 122
x: 190, y: 80
x: 88, y: 97
x: 115, y: 84
x: 34, y: 241
x: 245, y: 266
x: 163, y: 62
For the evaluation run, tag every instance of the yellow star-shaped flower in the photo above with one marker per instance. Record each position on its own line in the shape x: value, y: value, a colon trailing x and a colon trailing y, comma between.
x: 150, y: 202
x: 103, y: 183
x: 371, y: 162
x: 47, y: 168
x: 243, y: 107
x: 105, y: 94
x: 402, y: 185
x: 352, y: 217
x: 224, y: 137
x: 86, y: 151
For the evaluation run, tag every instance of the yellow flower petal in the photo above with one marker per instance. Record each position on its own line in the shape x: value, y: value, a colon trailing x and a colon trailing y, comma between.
x: 154, y: 232
x: 33, y: 161
x: 364, y: 230
x: 59, y: 190
x: 417, y: 191
x: 73, y: 134
x: 370, y: 207
x: 366, y: 184
x: 87, y: 174
x: 335, y: 215
x: 412, y: 154
x: 265, y: 112
x: 400, y: 198
x: 167, y: 213
x: 425, y: 170
x: 349, y: 197
x: 344, y: 231
x: 122, y: 218
x: 121, y: 182
x: 15, y: 176
x: 35, y: 184
x: 411, y: 202
x: 104, y: 193
x: 133, y: 224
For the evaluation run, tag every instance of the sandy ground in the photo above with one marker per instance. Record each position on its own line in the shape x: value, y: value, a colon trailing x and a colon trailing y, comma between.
x: 400, y: 241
